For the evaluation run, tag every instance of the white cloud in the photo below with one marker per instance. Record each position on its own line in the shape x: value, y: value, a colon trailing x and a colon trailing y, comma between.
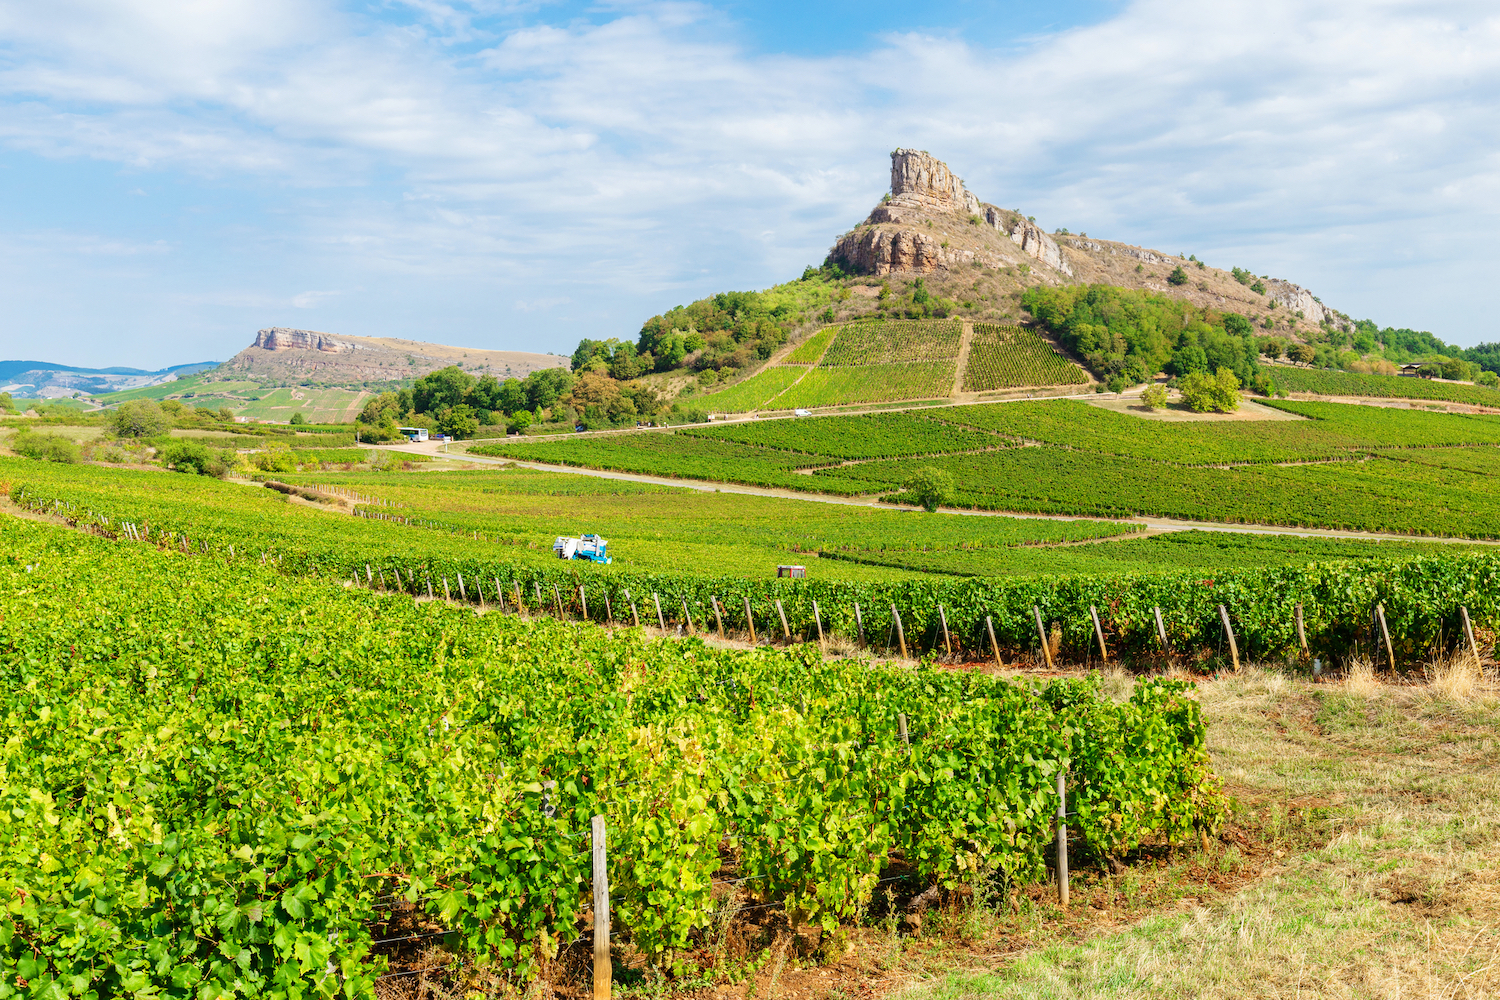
x: 646, y: 155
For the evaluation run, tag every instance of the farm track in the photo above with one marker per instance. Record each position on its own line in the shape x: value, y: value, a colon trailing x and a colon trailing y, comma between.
x: 1153, y: 525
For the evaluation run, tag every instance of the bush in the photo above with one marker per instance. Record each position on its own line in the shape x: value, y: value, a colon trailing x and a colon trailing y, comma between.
x: 1203, y: 392
x: 298, y: 418
x: 194, y: 458
x: 930, y: 488
x: 139, y: 418
x: 1177, y: 277
x: 1155, y: 396
x: 1489, y: 379
x: 45, y: 447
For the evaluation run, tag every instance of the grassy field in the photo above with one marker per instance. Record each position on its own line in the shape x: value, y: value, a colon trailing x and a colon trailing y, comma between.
x: 1361, y: 863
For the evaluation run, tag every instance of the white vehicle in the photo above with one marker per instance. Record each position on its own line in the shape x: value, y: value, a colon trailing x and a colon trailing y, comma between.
x: 803, y: 413
x: 590, y: 547
x: 414, y: 433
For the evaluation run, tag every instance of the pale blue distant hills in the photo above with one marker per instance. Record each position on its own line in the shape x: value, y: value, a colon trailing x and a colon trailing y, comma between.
x: 45, y: 380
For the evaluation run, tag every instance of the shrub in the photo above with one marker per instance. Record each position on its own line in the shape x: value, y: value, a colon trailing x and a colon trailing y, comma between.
x: 45, y: 447
x: 1259, y: 288
x: 1155, y: 396
x: 139, y: 418
x: 1178, y: 276
x: 930, y: 488
x: 193, y: 457
x: 1489, y: 379
x: 1203, y: 392
x: 298, y: 418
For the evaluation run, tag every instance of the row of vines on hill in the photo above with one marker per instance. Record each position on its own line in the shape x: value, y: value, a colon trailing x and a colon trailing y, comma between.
x: 1008, y: 357
x: 1421, y: 595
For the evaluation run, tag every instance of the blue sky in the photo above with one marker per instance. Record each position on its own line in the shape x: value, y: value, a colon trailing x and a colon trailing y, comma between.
x: 516, y: 175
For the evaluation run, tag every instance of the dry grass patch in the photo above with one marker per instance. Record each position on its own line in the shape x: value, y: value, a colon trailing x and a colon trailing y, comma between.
x: 1380, y: 805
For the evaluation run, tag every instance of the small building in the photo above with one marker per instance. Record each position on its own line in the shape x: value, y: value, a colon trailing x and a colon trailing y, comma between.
x: 1410, y: 368
x: 795, y: 572
x: 414, y: 433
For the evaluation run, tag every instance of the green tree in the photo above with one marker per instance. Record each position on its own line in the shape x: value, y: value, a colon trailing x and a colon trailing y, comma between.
x: 458, y: 421
x: 6, y: 403
x: 930, y: 488
x: 298, y: 419
x: 442, y: 389
x: 1203, y: 392
x: 1154, y: 396
x: 1303, y: 354
x: 1178, y: 276
x: 139, y: 418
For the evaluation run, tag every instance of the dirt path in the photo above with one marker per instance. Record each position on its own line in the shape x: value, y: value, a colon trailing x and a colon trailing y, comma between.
x: 965, y: 342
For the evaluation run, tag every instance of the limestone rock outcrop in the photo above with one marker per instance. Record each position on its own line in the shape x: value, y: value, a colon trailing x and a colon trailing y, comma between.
x: 1296, y: 299
x: 953, y: 221
x: 280, y: 338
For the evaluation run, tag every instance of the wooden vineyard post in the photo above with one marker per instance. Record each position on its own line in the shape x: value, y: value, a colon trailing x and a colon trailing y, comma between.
x: 609, y: 612
x: 479, y: 589
x: 1234, y: 647
x: 583, y: 603
x: 369, y: 577
x: 603, y: 972
x: 1301, y: 630
x: 1041, y: 634
x: 901, y: 728
x: 1463, y: 614
x: 536, y: 588
x: 1161, y: 629
x: 557, y: 603
x: 1385, y: 634
x: 718, y: 615
x: 462, y: 594
x: 989, y: 626
x: 660, y: 621
x: 447, y: 594
x: 687, y: 617
x: 943, y: 619
x: 749, y: 621
x: 859, y: 620
x: 499, y: 595
x: 900, y: 632
x: 818, y: 621
x: 520, y: 604
x: 1062, y: 834
x: 786, y: 633
x: 1099, y: 633
x: 635, y: 617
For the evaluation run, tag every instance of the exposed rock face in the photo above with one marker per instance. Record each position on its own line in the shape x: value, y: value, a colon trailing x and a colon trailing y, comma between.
x: 280, y: 338
x: 918, y: 178
x: 1296, y: 299
x: 924, y: 192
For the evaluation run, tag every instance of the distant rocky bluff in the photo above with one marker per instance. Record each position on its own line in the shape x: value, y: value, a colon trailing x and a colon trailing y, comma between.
x: 931, y: 224
x: 282, y: 355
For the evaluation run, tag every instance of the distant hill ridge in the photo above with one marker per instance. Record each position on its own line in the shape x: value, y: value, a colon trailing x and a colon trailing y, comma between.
x: 289, y: 356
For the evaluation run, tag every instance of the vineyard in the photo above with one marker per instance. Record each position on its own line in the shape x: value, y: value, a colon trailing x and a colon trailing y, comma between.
x: 870, y: 384
x: 1330, y: 383
x: 811, y: 350
x: 754, y: 392
x: 436, y: 556
x: 894, y: 341
x: 1008, y: 357
x: 199, y: 798
x: 886, y: 435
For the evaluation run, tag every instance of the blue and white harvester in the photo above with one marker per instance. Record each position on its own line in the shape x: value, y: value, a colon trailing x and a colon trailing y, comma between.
x: 590, y: 547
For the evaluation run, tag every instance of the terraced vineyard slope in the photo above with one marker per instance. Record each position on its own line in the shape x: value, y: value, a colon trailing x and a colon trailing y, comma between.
x: 1012, y: 357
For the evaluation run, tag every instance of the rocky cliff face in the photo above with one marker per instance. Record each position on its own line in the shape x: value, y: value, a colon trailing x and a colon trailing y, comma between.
x: 931, y: 220
x: 280, y: 338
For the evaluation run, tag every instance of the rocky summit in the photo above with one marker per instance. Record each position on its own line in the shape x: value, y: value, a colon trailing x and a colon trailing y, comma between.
x: 932, y: 226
